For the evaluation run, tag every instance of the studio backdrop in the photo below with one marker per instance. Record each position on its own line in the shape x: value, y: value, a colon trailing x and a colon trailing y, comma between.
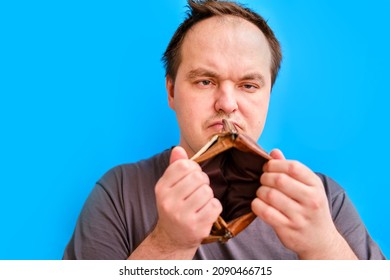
x: 82, y: 90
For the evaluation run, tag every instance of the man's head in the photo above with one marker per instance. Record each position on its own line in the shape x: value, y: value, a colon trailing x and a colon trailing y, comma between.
x: 221, y: 63
x: 202, y: 9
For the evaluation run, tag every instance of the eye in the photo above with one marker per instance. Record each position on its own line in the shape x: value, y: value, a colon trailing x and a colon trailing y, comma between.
x: 250, y: 87
x: 247, y: 86
x: 204, y: 83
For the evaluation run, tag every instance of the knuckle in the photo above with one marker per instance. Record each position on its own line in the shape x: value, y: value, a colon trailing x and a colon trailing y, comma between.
x: 270, y: 195
x: 199, y: 177
x: 297, y: 224
x: 254, y: 203
x: 206, y: 178
x: 267, y: 213
x: 216, y: 205
x: 202, y: 192
x: 262, y: 193
x: 164, y: 206
x: 196, y: 176
x: 183, y: 164
x: 207, y: 191
x: 186, y: 164
x: 280, y: 180
x: 315, y: 204
x: 264, y: 178
x: 293, y: 167
x: 258, y: 191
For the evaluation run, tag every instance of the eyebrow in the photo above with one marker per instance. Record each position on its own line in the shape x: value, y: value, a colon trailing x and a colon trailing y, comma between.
x: 201, y: 72
x: 253, y: 76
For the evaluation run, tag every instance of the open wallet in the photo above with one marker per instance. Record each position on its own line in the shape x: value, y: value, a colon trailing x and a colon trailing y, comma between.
x: 234, y: 163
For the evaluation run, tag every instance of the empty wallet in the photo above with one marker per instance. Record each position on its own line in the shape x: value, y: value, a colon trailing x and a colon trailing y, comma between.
x: 234, y: 163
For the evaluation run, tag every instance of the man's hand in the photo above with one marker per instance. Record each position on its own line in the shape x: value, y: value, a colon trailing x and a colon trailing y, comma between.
x: 186, y: 205
x: 293, y: 201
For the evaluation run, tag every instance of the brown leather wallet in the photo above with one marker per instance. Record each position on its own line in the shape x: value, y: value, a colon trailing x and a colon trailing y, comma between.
x: 234, y: 162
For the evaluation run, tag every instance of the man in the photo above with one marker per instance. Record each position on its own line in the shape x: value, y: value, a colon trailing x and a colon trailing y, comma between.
x: 220, y: 64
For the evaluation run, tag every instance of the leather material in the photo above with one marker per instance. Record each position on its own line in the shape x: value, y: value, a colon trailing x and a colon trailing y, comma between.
x: 234, y: 163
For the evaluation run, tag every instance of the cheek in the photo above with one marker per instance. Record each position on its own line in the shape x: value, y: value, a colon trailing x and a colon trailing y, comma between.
x: 255, y: 109
x: 255, y: 113
x: 262, y: 113
x: 182, y: 105
x: 186, y: 111
x: 179, y: 100
x: 189, y: 104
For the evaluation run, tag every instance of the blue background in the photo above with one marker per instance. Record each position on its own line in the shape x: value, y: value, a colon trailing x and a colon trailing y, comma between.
x: 82, y: 90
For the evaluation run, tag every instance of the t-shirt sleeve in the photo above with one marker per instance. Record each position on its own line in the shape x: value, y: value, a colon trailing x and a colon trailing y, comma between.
x: 349, y: 223
x: 100, y: 230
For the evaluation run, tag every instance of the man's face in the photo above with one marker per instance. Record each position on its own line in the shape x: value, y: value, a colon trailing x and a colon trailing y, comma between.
x: 224, y: 73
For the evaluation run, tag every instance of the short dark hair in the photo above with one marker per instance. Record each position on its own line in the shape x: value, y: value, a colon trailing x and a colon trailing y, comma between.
x: 199, y: 10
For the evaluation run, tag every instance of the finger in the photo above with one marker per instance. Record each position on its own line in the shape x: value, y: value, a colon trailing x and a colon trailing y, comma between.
x: 199, y: 197
x: 293, y: 169
x: 268, y: 214
x: 190, y: 183
x: 177, y: 153
x: 206, y: 216
x: 285, y: 184
x: 175, y: 172
x: 277, y: 154
x: 278, y: 200
x: 210, y: 211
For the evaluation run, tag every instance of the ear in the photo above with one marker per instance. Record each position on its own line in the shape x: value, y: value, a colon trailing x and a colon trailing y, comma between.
x: 169, y: 85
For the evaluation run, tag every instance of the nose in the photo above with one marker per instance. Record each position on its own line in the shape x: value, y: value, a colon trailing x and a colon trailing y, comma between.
x: 226, y: 99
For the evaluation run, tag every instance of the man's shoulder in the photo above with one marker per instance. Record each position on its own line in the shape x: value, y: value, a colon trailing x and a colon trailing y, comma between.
x: 337, y: 196
x: 332, y: 188
x: 157, y: 161
x: 148, y: 168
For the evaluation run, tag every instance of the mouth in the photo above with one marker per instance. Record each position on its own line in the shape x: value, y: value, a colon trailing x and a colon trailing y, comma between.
x: 216, y: 125
x: 219, y: 126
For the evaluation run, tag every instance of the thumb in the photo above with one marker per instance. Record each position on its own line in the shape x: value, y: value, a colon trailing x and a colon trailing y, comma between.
x: 177, y: 153
x: 277, y: 154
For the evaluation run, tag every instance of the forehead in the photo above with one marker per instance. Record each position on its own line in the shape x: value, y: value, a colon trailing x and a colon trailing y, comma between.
x: 226, y: 38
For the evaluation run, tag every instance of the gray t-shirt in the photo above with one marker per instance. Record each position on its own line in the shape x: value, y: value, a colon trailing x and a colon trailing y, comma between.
x: 121, y: 211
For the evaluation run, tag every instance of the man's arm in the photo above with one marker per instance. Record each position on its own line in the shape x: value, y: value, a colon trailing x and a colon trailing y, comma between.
x: 293, y: 201
x: 186, y: 208
x: 158, y: 246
